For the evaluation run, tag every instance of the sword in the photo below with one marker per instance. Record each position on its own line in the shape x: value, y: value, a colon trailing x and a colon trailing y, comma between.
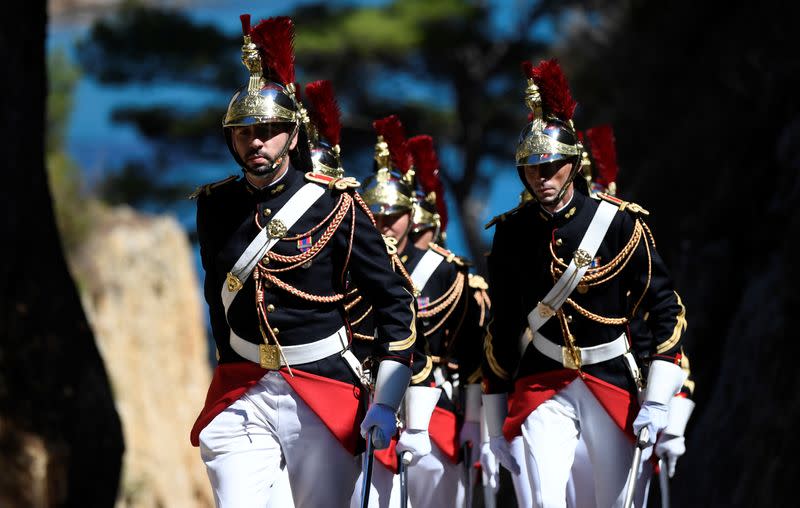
x: 489, y: 500
x: 403, y: 460
x: 366, y: 482
x: 663, y: 480
x: 467, y: 456
x: 641, y: 442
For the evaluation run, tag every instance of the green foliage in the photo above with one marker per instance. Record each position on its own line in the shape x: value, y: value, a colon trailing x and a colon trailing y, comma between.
x: 393, y: 30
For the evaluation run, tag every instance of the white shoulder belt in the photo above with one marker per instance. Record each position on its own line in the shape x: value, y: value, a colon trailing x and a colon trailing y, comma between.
x: 425, y: 268
x: 580, y: 262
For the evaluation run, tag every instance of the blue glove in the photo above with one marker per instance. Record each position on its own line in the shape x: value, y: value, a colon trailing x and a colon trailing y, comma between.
x: 381, y: 422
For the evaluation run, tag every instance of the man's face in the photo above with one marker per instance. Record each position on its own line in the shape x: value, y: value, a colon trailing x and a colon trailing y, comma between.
x: 395, y: 225
x: 546, y: 180
x: 258, y: 145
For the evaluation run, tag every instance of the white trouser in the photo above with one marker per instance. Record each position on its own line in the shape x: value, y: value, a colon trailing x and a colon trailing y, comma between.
x: 435, y: 482
x: 281, y: 496
x: 432, y: 482
x: 384, y: 491
x: 245, y: 446
x: 551, y: 435
x: 522, y: 486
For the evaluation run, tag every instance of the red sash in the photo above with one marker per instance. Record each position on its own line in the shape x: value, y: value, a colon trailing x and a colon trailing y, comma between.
x: 335, y: 402
x: 531, y: 391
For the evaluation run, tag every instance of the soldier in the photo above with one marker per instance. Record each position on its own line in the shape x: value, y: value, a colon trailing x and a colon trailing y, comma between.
x: 276, y: 245
x: 564, y: 265
x: 460, y: 374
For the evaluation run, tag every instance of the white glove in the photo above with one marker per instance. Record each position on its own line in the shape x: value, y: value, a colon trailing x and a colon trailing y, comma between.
x: 416, y: 442
x: 491, y: 471
x: 502, y: 450
x: 471, y: 433
x: 671, y: 444
x: 495, y: 407
x: 381, y: 421
x: 670, y: 448
x: 654, y: 416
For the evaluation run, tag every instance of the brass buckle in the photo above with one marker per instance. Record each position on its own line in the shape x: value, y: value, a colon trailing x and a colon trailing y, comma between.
x: 581, y: 258
x: 269, y: 356
x: 571, y: 358
x: 545, y: 310
x: 234, y: 284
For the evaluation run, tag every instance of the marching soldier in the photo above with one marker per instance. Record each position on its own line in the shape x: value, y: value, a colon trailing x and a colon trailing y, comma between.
x: 277, y: 245
x: 575, y: 271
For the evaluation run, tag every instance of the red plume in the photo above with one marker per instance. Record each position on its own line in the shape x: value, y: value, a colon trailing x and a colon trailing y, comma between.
x: 604, y: 154
x: 275, y: 39
x: 324, y: 110
x: 527, y: 69
x: 395, y: 136
x: 426, y: 164
x: 554, y: 89
x: 245, y: 19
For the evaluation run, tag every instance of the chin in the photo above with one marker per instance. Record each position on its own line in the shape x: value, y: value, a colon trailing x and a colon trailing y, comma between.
x: 265, y: 170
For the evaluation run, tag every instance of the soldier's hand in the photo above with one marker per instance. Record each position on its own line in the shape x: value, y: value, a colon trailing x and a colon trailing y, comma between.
x: 654, y: 416
x: 502, y: 450
x: 491, y: 472
x: 416, y: 442
x: 381, y: 418
x: 670, y: 448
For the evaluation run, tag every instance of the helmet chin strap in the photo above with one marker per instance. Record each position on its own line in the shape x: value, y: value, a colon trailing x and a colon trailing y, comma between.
x: 276, y: 162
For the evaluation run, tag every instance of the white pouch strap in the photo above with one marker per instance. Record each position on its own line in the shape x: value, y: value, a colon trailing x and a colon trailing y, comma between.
x: 425, y: 268
x: 577, y: 267
x: 289, y: 213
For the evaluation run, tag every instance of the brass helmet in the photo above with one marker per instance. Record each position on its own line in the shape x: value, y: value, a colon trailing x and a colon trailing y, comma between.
x: 269, y: 96
x: 324, y: 128
x: 601, y: 160
x: 430, y: 209
x: 391, y: 189
x: 550, y: 134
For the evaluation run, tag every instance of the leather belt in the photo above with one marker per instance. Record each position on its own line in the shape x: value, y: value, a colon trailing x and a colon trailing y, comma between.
x: 272, y: 357
x: 586, y: 355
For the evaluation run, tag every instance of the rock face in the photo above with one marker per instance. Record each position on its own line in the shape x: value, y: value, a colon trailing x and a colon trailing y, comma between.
x: 142, y: 298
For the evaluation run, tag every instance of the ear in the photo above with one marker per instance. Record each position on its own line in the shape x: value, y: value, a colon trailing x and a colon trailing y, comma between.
x: 294, y: 141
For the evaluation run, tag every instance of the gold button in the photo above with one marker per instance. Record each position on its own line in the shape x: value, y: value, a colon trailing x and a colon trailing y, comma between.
x: 270, y: 308
x: 560, y: 260
x: 265, y: 260
x: 569, y: 319
x: 559, y: 242
x: 267, y: 284
x: 275, y: 330
x: 267, y: 212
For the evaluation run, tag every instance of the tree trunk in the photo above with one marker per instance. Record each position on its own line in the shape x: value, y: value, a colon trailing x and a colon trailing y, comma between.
x: 60, y: 435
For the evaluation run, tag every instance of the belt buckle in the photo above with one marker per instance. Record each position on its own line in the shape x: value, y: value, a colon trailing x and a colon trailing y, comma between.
x: 269, y: 356
x: 571, y: 358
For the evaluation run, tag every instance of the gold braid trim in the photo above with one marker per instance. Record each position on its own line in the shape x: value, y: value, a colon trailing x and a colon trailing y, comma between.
x: 680, y: 327
x: 599, y: 275
x: 353, y: 302
x: 649, y: 274
x: 363, y: 316
x: 341, y: 210
x: 364, y: 207
x: 689, y: 383
x: 424, y: 373
x: 596, y: 317
x: 475, y: 377
x: 489, y: 350
x: 450, y: 304
x: 361, y: 336
x: 300, y: 293
x: 401, y: 345
x: 443, y: 301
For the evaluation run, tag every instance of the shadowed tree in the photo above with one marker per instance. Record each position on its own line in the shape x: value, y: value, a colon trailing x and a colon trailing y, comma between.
x: 60, y: 436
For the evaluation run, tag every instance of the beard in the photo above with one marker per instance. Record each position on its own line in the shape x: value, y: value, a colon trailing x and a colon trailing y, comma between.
x: 262, y: 169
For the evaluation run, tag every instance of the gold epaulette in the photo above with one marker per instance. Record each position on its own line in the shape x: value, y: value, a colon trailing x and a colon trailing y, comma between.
x: 477, y: 282
x: 206, y: 189
x: 503, y: 216
x: 332, y: 182
x: 623, y: 205
x: 448, y: 256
